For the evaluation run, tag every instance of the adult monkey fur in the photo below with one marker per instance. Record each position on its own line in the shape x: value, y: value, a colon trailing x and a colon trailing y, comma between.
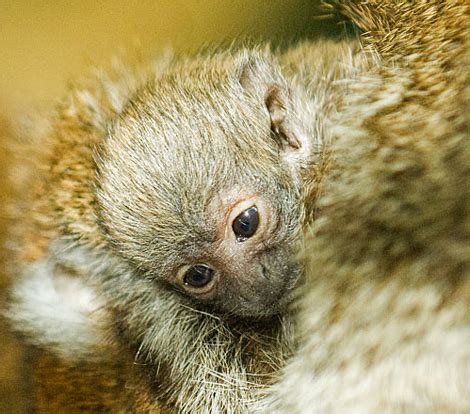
x: 384, y: 324
x: 150, y: 283
x: 369, y: 276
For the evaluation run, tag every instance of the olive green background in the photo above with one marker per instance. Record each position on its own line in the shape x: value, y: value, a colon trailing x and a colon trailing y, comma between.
x: 43, y: 44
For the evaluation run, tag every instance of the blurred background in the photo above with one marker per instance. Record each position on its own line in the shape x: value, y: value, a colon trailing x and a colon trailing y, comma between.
x: 45, y: 44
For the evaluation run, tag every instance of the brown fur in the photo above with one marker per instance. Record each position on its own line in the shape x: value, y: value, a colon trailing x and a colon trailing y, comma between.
x: 384, y: 323
x: 387, y: 260
x: 184, y: 358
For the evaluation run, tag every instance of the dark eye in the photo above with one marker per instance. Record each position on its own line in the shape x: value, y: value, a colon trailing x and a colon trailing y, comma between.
x: 198, y: 276
x: 245, y: 225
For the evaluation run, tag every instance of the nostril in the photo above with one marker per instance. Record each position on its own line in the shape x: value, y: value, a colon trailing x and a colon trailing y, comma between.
x: 264, y: 272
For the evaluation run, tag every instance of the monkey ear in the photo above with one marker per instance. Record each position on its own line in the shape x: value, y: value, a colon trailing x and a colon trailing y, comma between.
x: 283, y: 130
x: 265, y: 81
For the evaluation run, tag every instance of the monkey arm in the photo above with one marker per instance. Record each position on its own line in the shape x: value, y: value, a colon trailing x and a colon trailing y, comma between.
x: 74, y: 364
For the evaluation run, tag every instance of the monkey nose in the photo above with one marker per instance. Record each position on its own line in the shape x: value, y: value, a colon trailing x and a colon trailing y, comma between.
x: 264, y: 272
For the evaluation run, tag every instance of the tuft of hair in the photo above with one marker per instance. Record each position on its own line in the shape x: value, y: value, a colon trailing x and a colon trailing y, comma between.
x: 57, y: 311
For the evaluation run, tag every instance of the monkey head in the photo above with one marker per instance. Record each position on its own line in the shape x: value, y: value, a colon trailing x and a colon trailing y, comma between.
x: 199, y: 183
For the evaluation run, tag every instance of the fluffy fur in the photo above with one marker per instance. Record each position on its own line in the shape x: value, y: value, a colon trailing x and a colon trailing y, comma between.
x: 384, y: 326
x: 384, y: 320
x: 61, y: 307
x: 180, y: 357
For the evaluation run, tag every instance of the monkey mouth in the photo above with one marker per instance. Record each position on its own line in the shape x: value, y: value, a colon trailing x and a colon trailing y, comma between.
x: 285, y: 292
x: 291, y: 274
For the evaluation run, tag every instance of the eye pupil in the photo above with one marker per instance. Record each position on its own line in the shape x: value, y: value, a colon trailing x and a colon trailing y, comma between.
x: 198, y: 276
x: 245, y: 224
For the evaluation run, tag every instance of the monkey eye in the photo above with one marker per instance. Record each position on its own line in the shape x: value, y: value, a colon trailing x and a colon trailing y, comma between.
x: 198, y: 276
x: 246, y: 224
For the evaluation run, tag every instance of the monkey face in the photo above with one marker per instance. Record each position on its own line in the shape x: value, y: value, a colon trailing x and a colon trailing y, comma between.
x: 247, y: 268
x: 199, y: 184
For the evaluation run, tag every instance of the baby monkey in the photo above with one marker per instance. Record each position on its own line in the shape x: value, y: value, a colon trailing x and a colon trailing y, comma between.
x: 158, y: 260
x: 199, y: 180
x: 158, y: 252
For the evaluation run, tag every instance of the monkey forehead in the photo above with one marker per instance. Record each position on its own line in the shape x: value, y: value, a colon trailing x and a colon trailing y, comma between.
x: 199, y: 126
x: 222, y: 118
x: 198, y: 114
x: 186, y: 137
